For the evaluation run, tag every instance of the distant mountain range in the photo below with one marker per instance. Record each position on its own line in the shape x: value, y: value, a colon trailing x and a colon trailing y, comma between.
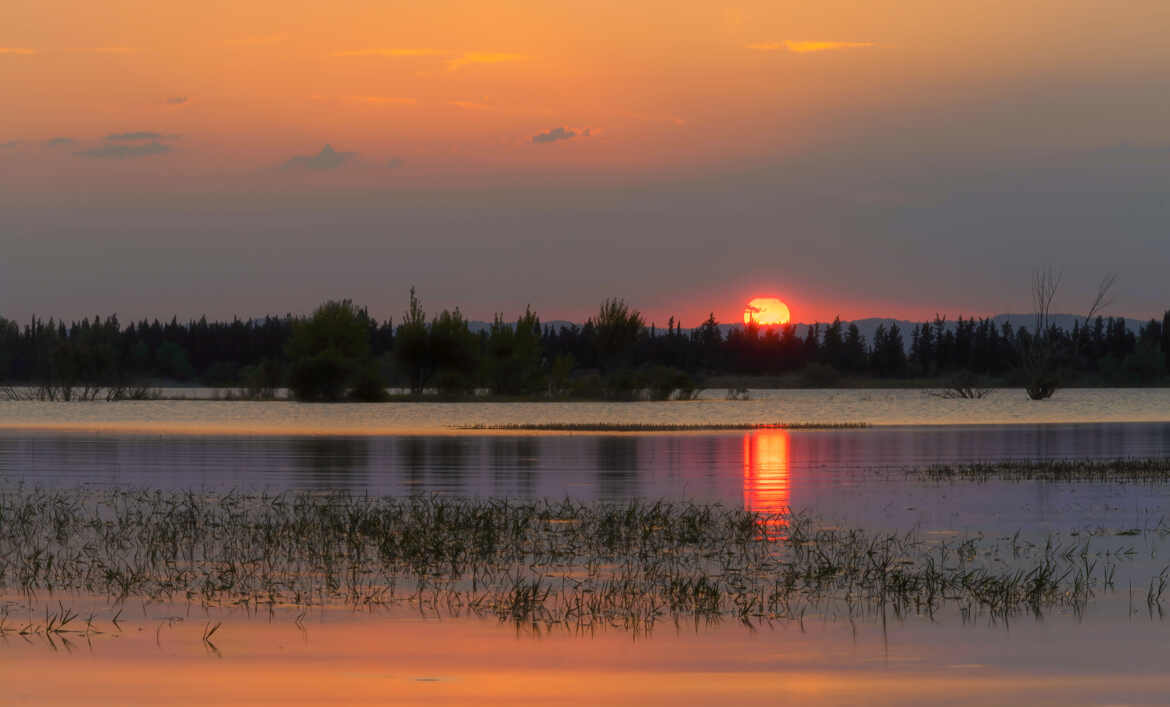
x: 869, y: 326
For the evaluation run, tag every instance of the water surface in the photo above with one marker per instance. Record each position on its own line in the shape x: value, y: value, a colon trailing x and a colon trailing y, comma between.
x: 855, y: 476
x: 343, y: 658
x: 1110, y: 654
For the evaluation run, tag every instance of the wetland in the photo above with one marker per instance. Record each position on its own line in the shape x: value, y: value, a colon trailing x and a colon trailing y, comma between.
x: 812, y: 546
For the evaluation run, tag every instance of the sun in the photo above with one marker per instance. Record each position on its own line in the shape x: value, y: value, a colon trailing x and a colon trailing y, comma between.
x: 766, y: 311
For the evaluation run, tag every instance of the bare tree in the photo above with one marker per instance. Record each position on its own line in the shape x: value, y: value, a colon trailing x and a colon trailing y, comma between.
x: 1045, y: 283
x: 1103, y: 299
x: 1042, y: 382
x: 1039, y: 357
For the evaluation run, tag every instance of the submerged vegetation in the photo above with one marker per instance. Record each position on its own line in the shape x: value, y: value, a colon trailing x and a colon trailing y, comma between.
x: 1113, y: 470
x: 536, y: 563
x: 340, y: 352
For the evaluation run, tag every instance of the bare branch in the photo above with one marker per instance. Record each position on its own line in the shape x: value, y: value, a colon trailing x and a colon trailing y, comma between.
x: 1103, y: 300
x: 1045, y: 283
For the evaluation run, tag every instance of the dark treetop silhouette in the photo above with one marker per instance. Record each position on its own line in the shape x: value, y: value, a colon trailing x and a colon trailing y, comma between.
x: 340, y: 352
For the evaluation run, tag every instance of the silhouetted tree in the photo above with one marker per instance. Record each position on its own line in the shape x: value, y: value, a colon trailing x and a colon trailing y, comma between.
x: 832, y: 350
x: 453, y: 351
x: 1166, y: 337
x: 330, y: 353
x: 512, y: 364
x: 74, y: 360
x: 854, y: 350
x: 889, y: 354
x: 616, y: 329
x: 411, y: 346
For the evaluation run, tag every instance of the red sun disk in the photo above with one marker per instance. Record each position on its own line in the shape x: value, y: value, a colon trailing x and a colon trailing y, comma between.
x: 766, y: 311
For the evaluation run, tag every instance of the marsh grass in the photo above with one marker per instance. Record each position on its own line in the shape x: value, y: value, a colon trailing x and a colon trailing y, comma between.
x: 56, y: 627
x: 578, y: 565
x: 651, y: 427
x: 1149, y: 470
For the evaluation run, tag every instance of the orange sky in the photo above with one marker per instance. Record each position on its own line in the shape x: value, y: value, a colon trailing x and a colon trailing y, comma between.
x: 449, y: 85
x: 880, y: 105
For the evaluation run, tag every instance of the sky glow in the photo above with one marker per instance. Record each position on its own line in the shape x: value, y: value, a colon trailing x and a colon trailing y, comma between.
x: 896, y: 158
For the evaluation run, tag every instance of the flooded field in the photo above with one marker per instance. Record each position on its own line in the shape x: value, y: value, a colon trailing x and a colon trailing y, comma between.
x: 913, y: 571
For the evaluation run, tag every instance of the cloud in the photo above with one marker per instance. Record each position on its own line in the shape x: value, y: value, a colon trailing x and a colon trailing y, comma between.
x: 469, y: 58
x: 60, y: 142
x: 472, y: 105
x: 327, y: 158
x: 11, y: 144
x: 17, y: 50
x: 385, y: 100
x: 258, y: 41
x: 176, y: 100
x: 805, y: 47
x: 391, y: 52
x: 124, y: 152
x: 557, y: 134
x: 395, y: 162
x: 114, y: 50
x: 454, y: 62
x: 131, y: 137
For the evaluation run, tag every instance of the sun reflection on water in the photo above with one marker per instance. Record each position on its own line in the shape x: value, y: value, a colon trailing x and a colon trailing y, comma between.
x: 765, y: 471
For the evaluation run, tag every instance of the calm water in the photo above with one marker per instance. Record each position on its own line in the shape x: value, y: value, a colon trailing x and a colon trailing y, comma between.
x: 855, y: 476
x: 343, y: 658
x: 1109, y: 655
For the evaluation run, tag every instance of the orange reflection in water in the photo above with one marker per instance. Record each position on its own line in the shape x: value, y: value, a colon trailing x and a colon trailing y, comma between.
x: 765, y: 471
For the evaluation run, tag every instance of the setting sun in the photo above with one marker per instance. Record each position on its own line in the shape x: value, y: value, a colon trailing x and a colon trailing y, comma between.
x: 766, y: 311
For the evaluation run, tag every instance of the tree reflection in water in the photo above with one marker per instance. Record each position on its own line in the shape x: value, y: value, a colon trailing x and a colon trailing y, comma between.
x: 514, y: 462
x: 333, y: 462
x: 434, y: 464
x: 617, y: 464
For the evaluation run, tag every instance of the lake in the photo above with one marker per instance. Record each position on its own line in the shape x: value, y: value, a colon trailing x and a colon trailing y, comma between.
x: 1109, y: 652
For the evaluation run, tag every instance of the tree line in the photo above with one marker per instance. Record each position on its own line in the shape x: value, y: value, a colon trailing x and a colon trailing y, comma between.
x: 340, y: 352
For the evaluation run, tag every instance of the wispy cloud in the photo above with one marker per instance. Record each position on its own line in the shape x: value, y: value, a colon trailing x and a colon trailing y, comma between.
x: 471, y: 105
x: 84, y: 50
x: 60, y: 142
x: 391, y: 52
x: 384, y: 100
x: 136, y: 136
x: 558, y: 134
x: 124, y: 152
x: 470, y: 58
x: 454, y: 60
x: 327, y: 158
x: 806, y: 47
x: 11, y: 144
x: 395, y: 162
x: 258, y: 40
x: 176, y: 100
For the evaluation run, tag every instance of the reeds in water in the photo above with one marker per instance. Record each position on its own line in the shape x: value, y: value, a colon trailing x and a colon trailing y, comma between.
x: 1151, y: 470
x: 580, y: 565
